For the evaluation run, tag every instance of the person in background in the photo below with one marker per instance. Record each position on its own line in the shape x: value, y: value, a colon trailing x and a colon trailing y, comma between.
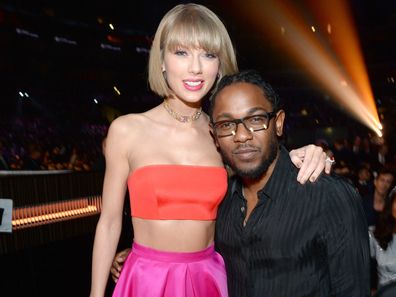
x: 33, y: 160
x: 173, y: 170
x: 343, y: 156
x: 363, y: 181
x: 374, y: 201
x: 383, y: 242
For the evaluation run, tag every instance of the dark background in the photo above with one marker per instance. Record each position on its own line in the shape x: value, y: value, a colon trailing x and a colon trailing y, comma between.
x: 62, y: 79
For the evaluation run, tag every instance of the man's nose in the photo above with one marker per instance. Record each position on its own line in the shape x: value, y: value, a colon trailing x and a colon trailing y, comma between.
x: 242, y: 134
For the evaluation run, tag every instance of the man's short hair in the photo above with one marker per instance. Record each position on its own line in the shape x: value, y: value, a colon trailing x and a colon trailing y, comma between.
x: 248, y: 76
x: 385, y: 171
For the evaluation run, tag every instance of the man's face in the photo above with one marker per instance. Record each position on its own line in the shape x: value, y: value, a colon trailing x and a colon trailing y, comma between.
x: 248, y: 153
x: 383, y: 183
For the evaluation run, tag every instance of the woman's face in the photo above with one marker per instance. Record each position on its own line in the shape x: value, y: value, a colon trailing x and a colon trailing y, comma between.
x: 190, y: 72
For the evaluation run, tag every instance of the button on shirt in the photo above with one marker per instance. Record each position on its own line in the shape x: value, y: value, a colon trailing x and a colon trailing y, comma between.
x: 300, y: 240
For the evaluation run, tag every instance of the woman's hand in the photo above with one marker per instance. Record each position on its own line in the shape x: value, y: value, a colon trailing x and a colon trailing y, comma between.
x: 311, y: 160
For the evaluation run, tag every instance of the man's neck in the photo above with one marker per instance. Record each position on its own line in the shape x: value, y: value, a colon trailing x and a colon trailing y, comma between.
x: 379, y: 196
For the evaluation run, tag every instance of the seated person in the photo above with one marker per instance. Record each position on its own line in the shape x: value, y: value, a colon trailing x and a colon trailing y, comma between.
x: 383, y: 242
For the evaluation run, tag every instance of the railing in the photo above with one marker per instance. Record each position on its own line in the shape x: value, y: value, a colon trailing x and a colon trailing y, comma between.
x: 49, y: 206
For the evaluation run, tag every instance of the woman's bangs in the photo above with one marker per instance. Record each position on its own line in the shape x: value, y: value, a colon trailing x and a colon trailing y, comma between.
x: 193, y: 34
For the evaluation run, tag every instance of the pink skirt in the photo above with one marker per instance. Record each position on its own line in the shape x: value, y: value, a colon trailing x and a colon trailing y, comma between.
x: 153, y: 273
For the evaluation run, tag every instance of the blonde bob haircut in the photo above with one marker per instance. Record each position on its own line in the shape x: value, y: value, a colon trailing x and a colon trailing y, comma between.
x: 191, y: 26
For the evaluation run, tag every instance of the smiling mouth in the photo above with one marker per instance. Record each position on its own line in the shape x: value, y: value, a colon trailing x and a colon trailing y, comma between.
x: 193, y: 85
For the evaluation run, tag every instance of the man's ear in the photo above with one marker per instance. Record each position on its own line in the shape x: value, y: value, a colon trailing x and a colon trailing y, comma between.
x: 279, y: 120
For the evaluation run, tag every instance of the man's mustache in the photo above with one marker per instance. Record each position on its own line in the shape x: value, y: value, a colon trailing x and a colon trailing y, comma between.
x: 245, y: 148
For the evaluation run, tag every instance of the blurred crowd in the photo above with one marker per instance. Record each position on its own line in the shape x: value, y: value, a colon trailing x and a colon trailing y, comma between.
x: 370, y: 166
x: 39, y: 144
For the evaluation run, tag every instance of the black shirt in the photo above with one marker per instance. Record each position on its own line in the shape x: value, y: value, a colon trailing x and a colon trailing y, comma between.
x: 300, y: 240
x: 368, y: 206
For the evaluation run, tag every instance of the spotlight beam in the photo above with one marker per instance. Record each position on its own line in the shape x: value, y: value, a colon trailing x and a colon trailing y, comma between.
x: 339, y: 68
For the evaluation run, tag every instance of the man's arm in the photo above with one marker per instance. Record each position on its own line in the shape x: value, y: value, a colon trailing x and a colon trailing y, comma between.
x: 347, y: 241
x: 118, y: 263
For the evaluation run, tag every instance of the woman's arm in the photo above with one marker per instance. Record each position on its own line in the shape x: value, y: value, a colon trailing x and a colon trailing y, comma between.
x: 109, y: 226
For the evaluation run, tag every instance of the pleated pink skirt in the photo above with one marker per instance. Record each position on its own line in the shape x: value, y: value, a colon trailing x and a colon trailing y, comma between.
x: 153, y: 273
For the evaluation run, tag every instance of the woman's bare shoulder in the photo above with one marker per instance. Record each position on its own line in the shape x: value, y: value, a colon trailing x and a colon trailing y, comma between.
x: 123, y: 125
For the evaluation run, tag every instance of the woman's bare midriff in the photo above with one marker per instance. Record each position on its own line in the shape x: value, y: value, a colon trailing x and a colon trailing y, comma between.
x: 174, y: 235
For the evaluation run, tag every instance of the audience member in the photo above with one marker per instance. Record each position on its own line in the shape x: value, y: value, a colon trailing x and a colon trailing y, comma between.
x: 383, y: 242
x: 374, y: 201
x: 343, y: 156
x: 363, y: 181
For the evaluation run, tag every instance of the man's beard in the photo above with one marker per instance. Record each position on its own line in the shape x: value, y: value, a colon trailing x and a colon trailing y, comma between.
x: 261, y: 169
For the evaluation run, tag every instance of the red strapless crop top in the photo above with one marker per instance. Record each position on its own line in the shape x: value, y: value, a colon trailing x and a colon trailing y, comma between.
x: 177, y: 192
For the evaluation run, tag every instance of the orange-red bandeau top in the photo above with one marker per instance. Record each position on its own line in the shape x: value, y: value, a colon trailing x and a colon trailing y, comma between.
x: 176, y: 192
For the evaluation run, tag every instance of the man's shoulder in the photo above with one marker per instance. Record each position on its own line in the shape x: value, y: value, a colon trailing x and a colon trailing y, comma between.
x: 335, y: 189
x: 333, y: 181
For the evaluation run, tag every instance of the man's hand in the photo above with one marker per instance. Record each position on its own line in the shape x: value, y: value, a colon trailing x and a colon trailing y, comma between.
x: 311, y: 160
x: 118, y: 262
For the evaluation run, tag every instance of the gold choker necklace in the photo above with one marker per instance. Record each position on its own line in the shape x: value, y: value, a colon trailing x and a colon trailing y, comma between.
x: 182, y: 118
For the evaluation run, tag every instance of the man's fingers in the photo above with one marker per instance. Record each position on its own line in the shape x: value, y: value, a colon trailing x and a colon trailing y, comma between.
x: 121, y: 258
x: 115, y: 274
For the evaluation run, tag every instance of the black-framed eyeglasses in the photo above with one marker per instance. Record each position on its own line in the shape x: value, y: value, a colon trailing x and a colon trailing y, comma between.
x: 252, y: 123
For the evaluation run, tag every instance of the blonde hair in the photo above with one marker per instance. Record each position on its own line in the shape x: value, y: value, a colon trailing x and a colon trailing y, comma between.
x: 192, y: 26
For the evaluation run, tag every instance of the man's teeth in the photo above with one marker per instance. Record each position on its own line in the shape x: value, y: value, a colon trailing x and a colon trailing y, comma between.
x: 193, y: 83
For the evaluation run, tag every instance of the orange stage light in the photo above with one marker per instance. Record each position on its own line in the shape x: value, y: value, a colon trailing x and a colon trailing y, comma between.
x: 331, y: 55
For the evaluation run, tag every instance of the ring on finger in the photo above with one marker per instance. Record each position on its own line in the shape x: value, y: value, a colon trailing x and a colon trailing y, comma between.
x: 330, y: 160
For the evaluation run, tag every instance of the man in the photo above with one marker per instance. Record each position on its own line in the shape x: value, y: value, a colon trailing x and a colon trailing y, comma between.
x: 278, y: 237
x: 374, y: 201
x: 363, y: 181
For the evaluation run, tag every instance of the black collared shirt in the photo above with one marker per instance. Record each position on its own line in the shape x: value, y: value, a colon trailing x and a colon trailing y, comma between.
x: 300, y: 240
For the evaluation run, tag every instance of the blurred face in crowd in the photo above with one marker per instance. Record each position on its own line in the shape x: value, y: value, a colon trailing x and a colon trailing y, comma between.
x: 364, y: 174
x: 383, y: 182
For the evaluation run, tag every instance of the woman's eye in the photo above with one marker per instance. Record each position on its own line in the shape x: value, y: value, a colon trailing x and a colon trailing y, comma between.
x: 210, y: 55
x: 181, y: 53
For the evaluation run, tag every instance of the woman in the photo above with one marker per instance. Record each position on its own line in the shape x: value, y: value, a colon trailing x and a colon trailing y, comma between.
x: 383, y: 242
x: 174, y: 173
